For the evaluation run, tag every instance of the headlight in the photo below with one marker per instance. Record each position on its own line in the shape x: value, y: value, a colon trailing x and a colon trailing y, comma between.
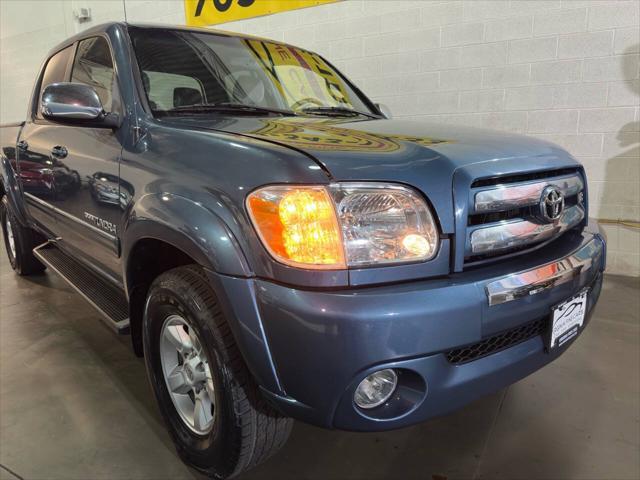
x: 384, y: 224
x: 343, y: 225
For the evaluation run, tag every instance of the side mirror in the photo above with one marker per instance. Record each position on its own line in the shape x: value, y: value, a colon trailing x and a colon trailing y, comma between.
x: 75, y: 103
x: 384, y: 110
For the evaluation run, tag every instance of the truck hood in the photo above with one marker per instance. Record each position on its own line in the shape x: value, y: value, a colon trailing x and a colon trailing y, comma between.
x: 424, y: 155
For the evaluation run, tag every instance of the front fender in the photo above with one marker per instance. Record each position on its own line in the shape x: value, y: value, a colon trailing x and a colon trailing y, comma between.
x: 203, y: 236
x: 186, y: 225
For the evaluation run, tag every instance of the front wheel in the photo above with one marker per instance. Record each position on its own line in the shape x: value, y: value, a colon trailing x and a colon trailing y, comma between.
x: 215, y: 413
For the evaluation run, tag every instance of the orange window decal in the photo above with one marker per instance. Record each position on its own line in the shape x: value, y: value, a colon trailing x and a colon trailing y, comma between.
x: 299, y: 74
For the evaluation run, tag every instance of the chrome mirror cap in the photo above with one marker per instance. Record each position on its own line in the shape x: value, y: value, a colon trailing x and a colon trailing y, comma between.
x: 71, y: 101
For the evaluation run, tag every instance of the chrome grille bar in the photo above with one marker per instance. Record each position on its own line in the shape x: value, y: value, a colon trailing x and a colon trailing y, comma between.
x: 516, y: 196
x: 514, y: 234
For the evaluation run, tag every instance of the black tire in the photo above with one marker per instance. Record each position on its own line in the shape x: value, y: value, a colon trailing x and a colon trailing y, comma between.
x: 246, y: 430
x: 25, y: 240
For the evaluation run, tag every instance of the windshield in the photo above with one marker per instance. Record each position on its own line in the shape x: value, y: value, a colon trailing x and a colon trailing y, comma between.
x: 182, y: 68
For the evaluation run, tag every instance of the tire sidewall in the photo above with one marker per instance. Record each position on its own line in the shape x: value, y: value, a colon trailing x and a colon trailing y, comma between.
x: 5, y: 212
x: 219, y: 449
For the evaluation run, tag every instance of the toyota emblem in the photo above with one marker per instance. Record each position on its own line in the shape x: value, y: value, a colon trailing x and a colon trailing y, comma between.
x: 551, y: 203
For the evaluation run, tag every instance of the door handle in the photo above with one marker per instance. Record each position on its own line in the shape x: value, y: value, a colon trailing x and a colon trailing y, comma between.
x: 59, y: 152
x: 23, y: 145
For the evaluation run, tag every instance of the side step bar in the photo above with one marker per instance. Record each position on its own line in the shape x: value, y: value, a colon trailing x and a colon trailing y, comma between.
x: 105, y: 297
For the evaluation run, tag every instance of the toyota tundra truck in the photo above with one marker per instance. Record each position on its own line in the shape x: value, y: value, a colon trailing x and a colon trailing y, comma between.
x: 278, y: 247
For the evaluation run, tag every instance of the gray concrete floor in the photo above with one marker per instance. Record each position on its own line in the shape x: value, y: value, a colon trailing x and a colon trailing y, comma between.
x: 74, y: 404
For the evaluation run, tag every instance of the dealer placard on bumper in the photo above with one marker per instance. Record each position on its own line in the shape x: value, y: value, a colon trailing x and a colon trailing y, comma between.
x: 567, y: 320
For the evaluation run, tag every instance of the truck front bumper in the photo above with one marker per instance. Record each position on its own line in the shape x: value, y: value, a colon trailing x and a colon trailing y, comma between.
x: 310, y: 349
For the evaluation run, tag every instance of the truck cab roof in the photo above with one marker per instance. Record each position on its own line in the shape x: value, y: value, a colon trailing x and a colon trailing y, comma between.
x: 108, y: 26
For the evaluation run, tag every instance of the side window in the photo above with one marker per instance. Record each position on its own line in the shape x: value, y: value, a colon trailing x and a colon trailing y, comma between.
x: 93, y: 66
x: 54, y: 73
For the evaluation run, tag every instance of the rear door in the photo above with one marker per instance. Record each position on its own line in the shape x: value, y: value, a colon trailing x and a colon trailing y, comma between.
x: 37, y: 169
x: 85, y: 196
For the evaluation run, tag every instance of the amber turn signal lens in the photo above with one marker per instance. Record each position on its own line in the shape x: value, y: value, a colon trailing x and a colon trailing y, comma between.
x: 298, y: 225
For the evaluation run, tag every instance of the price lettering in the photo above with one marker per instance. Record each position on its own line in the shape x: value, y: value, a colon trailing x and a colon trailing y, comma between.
x: 222, y: 5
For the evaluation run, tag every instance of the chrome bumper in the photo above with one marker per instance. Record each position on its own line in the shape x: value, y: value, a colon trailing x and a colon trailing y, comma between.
x: 548, y: 276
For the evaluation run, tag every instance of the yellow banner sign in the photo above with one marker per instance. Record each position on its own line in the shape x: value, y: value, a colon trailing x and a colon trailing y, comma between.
x: 211, y: 12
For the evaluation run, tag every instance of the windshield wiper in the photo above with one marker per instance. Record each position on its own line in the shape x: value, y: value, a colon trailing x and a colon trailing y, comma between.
x: 336, y: 111
x: 224, y: 107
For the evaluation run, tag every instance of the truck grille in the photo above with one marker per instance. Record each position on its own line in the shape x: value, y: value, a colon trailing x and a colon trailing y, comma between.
x: 509, y: 214
x: 498, y: 342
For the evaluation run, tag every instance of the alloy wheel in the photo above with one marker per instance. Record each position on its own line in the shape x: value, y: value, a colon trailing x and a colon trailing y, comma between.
x: 10, y: 238
x: 187, y: 374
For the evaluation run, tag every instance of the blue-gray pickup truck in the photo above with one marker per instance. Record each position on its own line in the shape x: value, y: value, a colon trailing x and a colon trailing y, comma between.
x: 278, y: 247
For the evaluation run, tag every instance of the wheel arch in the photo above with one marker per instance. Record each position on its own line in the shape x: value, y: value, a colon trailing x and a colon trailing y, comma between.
x: 164, y: 231
x: 149, y: 258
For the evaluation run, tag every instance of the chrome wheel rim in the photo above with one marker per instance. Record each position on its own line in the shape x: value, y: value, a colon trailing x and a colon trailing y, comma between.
x: 187, y: 374
x: 10, y: 238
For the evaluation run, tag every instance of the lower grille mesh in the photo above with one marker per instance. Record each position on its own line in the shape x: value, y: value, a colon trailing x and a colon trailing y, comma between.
x: 498, y: 342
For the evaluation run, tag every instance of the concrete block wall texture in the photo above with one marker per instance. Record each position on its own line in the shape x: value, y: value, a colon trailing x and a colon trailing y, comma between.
x: 564, y: 70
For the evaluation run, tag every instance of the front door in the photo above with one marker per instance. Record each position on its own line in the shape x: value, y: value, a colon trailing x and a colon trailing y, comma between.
x: 82, y: 195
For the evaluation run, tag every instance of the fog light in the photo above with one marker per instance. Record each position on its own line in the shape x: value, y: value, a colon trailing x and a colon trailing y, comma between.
x: 376, y: 388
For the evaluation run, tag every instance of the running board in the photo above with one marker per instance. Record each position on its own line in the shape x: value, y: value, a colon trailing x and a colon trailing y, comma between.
x: 105, y: 297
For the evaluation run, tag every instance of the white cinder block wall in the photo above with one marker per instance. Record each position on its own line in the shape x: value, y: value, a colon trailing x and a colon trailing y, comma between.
x: 564, y: 70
